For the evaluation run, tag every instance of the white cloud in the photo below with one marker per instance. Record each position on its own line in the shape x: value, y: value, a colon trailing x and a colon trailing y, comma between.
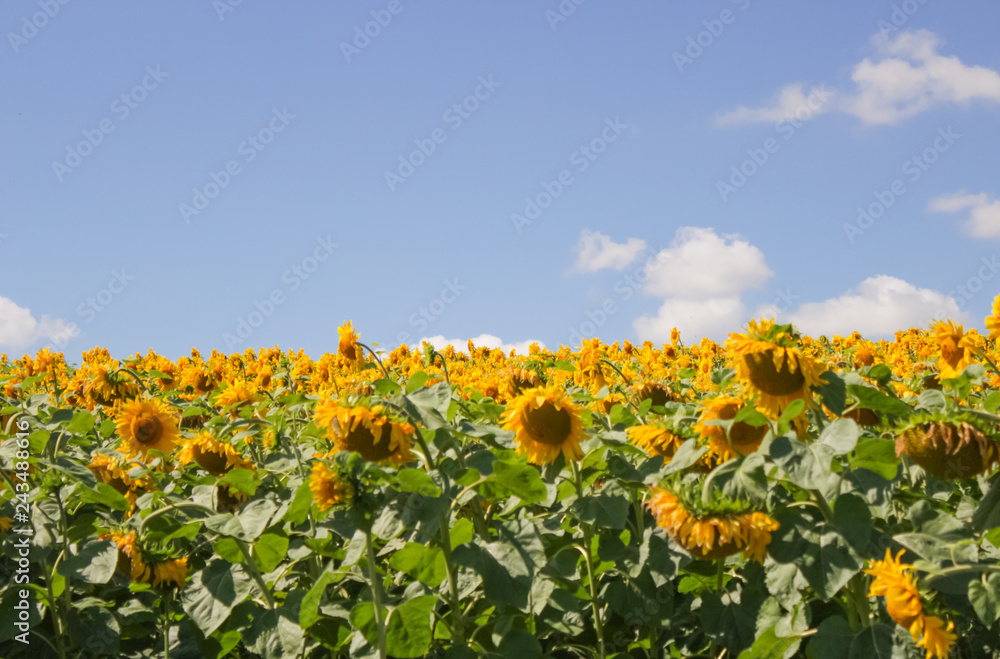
x: 984, y: 219
x: 19, y: 329
x: 909, y: 77
x: 878, y: 307
x: 481, y: 341
x: 791, y: 102
x: 695, y: 318
x: 700, y: 263
x: 701, y: 277
x: 595, y: 251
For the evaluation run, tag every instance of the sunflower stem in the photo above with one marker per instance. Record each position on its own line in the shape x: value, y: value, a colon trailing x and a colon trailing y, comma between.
x: 378, y: 360
x: 720, y: 574
x: 444, y: 366
x: 166, y: 624
x: 458, y: 620
x: 255, y: 574
x: 376, y: 592
x: 585, y: 550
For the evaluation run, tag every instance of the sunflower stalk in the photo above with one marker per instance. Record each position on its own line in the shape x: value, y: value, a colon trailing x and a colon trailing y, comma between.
x: 378, y: 360
x: 376, y: 587
x: 585, y: 550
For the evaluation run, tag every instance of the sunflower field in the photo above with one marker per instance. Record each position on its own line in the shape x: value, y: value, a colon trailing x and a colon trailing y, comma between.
x: 774, y: 496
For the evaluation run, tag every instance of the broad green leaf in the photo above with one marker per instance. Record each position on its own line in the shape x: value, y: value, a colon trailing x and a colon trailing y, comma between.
x: 521, y: 480
x: 769, y: 646
x: 269, y: 550
x: 213, y: 592
x: 985, y: 598
x: 94, y: 564
x: 877, y: 455
x: 425, y: 564
x: 256, y: 516
x: 833, y: 392
x: 408, y: 628
x: 416, y: 480
x: 841, y: 436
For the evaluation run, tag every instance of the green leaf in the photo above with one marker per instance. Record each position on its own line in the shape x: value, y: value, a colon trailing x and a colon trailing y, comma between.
x: 309, y: 609
x: 749, y: 415
x: 853, y: 519
x: 94, y: 564
x: 871, y: 398
x: 103, y: 494
x: 992, y: 402
x: 819, y: 551
x: 213, y: 592
x: 987, y: 515
x: 769, y: 646
x: 841, y: 436
x: 416, y: 480
x: 385, y: 387
x: 243, y: 480
x: 228, y: 549
x: 256, y: 516
x: 269, y: 550
x: 873, y: 642
x: 408, y: 628
x: 520, y: 644
x: 416, y: 381
x: 425, y: 564
x: 793, y: 410
x: 877, y: 455
x: 299, y: 508
x: 833, y: 392
x: 82, y: 423
x: 807, y: 465
x: 832, y: 640
x: 521, y: 480
x: 609, y: 509
x: 462, y: 531
x: 932, y: 400
x: 985, y: 598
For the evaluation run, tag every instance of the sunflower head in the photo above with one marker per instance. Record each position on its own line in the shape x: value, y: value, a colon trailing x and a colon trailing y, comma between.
x: 948, y: 447
x: 657, y: 392
x: 712, y: 531
x: 367, y: 431
x: 993, y: 320
x: 214, y: 456
x: 655, y: 440
x: 770, y: 361
x: 546, y: 422
x: 954, y: 346
x: 348, y: 347
x: 742, y: 437
x: 147, y: 424
x: 329, y: 488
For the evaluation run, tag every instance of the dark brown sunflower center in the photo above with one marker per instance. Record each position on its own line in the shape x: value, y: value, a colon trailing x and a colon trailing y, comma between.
x: 743, y: 437
x: 546, y: 424
x: 657, y: 393
x: 210, y: 461
x: 148, y: 430
x: 349, y: 351
x: 363, y: 441
x: 770, y: 380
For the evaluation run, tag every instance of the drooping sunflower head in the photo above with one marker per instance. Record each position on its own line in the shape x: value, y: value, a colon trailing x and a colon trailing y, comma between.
x: 742, y: 438
x: 948, y: 446
x: 214, y: 456
x: 146, y: 424
x: 114, y: 472
x: 546, y: 423
x: 770, y: 361
x: 519, y: 380
x: 329, y: 488
x: 236, y: 395
x: 954, y: 346
x: 105, y: 384
x: 895, y: 581
x: 348, y: 347
x: 655, y: 440
x: 658, y: 393
x: 370, y: 432
x: 712, y: 531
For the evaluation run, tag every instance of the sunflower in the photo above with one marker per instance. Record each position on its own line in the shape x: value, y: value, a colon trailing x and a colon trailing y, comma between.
x: 328, y: 488
x: 114, y: 472
x: 214, y: 456
x: 658, y: 393
x: 546, y: 422
x: 993, y: 320
x: 954, y: 346
x: 147, y: 424
x: 105, y: 385
x: 712, y: 534
x: 6, y: 523
x: 236, y: 395
x: 742, y: 438
x: 894, y: 581
x: 655, y: 440
x: 366, y: 431
x: 769, y: 360
x: 348, y: 347
x: 519, y: 380
x: 948, y: 448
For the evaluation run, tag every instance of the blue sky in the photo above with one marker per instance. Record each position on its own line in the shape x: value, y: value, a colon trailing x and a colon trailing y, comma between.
x: 223, y: 175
